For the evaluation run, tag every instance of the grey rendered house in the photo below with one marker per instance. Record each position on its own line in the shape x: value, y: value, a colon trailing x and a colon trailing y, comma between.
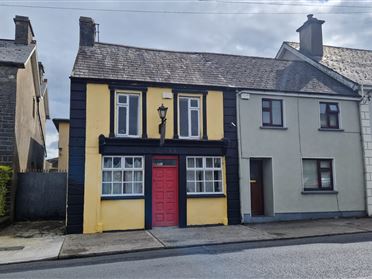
x: 23, y: 101
x: 351, y: 67
x: 300, y: 151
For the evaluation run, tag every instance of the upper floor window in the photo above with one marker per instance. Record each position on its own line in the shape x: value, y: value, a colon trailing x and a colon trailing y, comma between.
x: 272, y: 112
x: 329, y: 115
x: 318, y: 174
x: 127, y: 114
x: 189, y: 117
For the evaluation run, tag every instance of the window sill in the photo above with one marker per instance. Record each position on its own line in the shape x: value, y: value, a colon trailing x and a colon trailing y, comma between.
x: 196, y: 196
x: 321, y: 192
x: 273, y: 128
x: 126, y: 136
x: 189, y: 138
x: 331, y: 130
x: 104, y: 198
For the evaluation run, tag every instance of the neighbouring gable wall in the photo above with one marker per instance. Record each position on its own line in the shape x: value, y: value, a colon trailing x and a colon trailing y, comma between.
x: 29, y: 142
x: 7, y: 114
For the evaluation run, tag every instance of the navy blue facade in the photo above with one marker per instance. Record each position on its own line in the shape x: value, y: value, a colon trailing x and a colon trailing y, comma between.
x: 148, y: 147
x: 231, y: 157
x: 75, y: 193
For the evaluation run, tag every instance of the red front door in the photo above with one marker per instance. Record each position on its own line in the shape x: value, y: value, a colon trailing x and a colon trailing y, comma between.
x: 164, y: 191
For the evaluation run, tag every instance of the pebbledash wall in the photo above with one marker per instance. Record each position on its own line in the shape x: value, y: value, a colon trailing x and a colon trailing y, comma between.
x: 284, y: 194
x: 90, y: 118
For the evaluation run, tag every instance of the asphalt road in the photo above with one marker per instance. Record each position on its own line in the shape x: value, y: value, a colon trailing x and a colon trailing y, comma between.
x: 346, y: 256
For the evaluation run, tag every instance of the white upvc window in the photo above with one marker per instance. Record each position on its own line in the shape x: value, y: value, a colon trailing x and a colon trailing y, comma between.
x: 189, y: 117
x: 122, y: 176
x: 127, y: 115
x: 204, y: 175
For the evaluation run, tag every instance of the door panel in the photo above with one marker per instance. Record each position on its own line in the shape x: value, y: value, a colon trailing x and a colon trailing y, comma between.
x: 165, y: 192
x: 257, y: 194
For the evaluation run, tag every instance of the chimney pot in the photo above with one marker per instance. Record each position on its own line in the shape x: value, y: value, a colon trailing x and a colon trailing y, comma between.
x: 87, y: 31
x: 23, y: 30
x: 311, y: 38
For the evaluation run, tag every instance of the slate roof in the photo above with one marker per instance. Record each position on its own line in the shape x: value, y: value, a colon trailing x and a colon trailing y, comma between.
x: 14, y: 54
x: 354, y: 64
x: 118, y: 62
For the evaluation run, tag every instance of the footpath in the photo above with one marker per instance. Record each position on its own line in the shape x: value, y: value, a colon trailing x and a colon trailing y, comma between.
x: 33, y: 241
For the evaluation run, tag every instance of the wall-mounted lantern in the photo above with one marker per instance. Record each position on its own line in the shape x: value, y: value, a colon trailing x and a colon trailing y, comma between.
x: 162, y: 111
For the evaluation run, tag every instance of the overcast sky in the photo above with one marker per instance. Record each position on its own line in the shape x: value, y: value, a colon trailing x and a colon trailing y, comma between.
x: 260, y: 34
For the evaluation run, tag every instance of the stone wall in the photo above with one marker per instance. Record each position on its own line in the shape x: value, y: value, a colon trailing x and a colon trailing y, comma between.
x: 8, y: 77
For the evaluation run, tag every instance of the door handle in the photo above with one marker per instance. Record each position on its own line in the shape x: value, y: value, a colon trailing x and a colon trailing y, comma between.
x: 253, y: 181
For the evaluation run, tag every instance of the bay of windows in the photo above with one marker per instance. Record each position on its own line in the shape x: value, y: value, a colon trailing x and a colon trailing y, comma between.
x: 122, y: 176
x: 204, y: 175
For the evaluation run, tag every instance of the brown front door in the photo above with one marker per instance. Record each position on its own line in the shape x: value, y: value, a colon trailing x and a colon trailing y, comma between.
x: 257, y: 193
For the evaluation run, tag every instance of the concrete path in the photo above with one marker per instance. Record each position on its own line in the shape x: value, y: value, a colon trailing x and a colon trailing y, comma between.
x: 194, y: 236
x: 27, y: 242
x: 78, y: 245
x: 31, y: 241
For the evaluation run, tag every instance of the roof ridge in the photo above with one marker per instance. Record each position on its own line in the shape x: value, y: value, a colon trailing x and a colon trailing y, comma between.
x: 194, y: 52
x: 351, y: 48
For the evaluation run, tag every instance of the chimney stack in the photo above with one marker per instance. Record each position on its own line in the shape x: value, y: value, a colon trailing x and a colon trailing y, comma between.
x: 23, y: 30
x: 87, y: 31
x: 311, y: 38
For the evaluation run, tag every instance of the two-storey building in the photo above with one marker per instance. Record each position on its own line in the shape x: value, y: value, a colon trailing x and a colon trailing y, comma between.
x: 24, y: 106
x: 300, y: 154
x: 124, y: 175
x: 120, y: 176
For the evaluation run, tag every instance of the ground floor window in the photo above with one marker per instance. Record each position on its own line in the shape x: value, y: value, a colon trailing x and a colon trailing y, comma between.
x: 122, y: 176
x: 318, y: 174
x: 204, y: 175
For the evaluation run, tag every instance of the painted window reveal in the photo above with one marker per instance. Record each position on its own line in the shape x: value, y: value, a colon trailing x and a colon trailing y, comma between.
x: 127, y: 114
x: 329, y: 115
x: 204, y: 175
x: 272, y: 112
x: 122, y: 176
x: 189, y: 117
x: 318, y: 174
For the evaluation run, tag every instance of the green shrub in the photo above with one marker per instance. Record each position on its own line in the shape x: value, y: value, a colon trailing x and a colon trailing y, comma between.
x: 5, y: 177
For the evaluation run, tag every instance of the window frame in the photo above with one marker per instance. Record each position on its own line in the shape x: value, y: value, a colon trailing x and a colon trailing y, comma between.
x: 117, y: 105
x: 189, y: 109
x: 270, y: 110
x: 123, y: 169
x: 319, y: 170
x: 204, y: 169
x: 328, y: 113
